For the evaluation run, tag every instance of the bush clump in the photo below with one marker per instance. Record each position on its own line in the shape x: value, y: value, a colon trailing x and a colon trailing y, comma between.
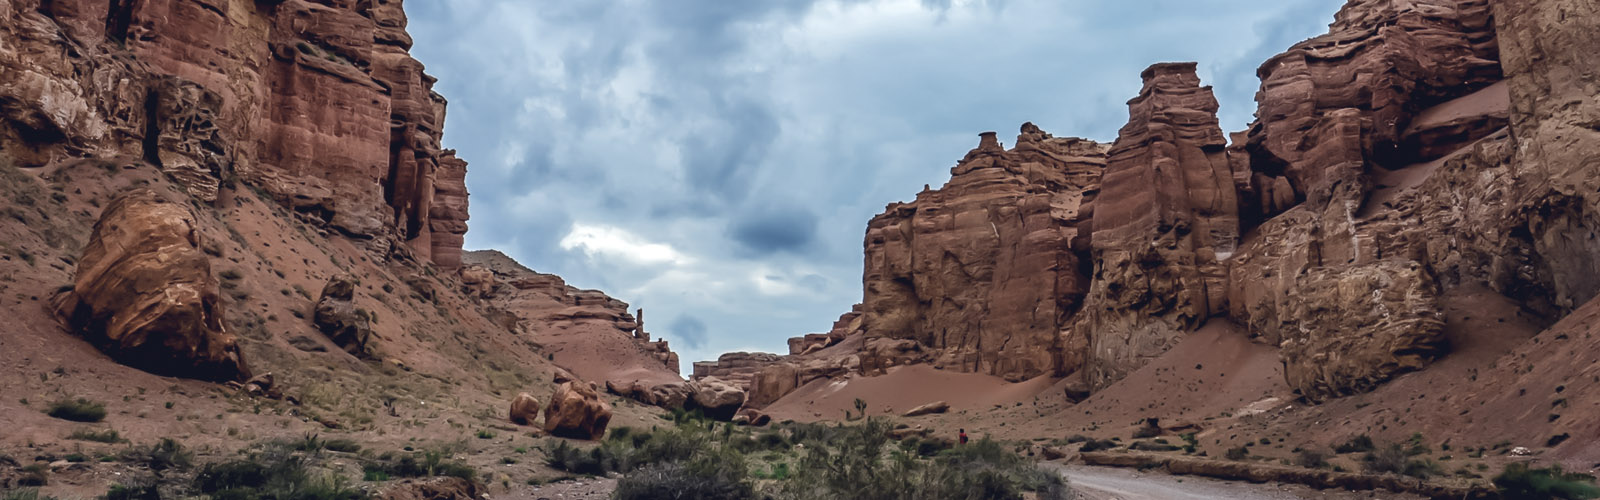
x: 1356, y: 444
x: 271, y: 475
x: 1519, y: 482
x: 106, y: 436
x: 424, y: 464
x: 78, y: 410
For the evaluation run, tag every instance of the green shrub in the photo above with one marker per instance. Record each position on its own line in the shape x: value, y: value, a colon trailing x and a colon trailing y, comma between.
x: 1311, y: 459
x: 26, y: 494
x: 1519, y: 482
x: 701, y: 481
x: 133, y: 492
x: 1356, y: 444
x: 1097, y: 445
x: 431, y: 464
x: 341, y: 445
x: 273, y: 475
x: 79, y: 410
x: 1239, y: 453
x: 106, y: 436
x: 164, y: 455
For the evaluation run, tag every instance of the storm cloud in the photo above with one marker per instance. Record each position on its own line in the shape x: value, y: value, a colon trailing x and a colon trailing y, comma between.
x: 717, y: 161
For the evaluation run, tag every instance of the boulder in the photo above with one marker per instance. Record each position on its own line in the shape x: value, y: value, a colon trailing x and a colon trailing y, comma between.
x: 144, y: 293
x: 337, y: 316
x: 719, y: 399
x: 929, y: 409
x: 752, y: 417
x: 577, y: 411
x: 437, y: 488
x: 524, y: 409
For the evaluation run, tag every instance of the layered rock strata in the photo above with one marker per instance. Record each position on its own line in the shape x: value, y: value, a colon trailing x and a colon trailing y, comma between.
x: 145, y: 295
x: 1165, y: 218
x: 986, y: 270
x: 317, y: 103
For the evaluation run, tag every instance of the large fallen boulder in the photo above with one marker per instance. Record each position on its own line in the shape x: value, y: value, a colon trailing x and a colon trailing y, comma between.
x: 719, y: 400
x: 144, y: 293
x: 337, y: 317
x: 929, y: 409
x: 524, y: 409
x: 576, y: 411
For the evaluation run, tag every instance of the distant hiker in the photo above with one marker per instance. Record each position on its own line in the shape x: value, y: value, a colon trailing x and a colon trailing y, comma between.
x: 963, y: 436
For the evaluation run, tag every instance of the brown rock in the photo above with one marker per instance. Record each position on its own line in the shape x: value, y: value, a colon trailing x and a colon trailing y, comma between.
x: 752, y: 417
x: 719, y: 399
x: 144, y: 293
x: 337, y: 316
x: 986, y: 270
x: 438, y: 488
x: 1166, y: 211
x: 524, y: 409
x: 929, y: 409
x: 577, y: 411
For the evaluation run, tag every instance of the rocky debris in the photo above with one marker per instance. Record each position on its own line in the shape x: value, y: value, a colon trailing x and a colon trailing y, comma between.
x: 666, y: 395
x: 144, y: 293
x: 752, y: 417
x: 337, y: 317
x: 524, y: 409
x: 719, y: 399
x: 437, y: 488
x: 985, y: 271
x: 1166, y: 211
x: 210, y: 91
x: 929, y: 409
x: 261, y: 386
x: 577, y: 411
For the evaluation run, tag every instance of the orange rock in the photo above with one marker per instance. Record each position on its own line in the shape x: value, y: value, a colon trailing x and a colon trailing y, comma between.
x: 577, y: 411
x: 524, y: 409
x: 145, y: 295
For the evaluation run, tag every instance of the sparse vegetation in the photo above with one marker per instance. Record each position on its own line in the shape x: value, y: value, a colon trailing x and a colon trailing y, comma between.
x: 166, y: 454
x: 1311, y: 459
x: 78, y: 410
x: 106, y: 436
x: 424, y: 464
x: 1356, y: 444
x: 1519, y: 482
x: 272, y: 474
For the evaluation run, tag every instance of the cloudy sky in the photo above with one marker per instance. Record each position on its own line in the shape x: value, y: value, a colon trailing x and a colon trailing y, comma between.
x: 716, y: 161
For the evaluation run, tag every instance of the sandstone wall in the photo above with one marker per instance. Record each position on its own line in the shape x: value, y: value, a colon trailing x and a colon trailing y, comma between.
x: 318, y: 103
x: 1166, y: 213
x: 986, y: 270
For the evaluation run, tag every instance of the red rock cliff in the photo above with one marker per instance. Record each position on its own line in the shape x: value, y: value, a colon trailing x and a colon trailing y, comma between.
x: 986, y: 270
x: 318, y: 103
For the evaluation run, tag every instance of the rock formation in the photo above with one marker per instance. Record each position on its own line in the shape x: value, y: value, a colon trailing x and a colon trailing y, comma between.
x: 986, y: 270
x: 577, y: 411
x: 737, y: 368
x: 524, y: 409
x: 1166, y: 214
x: 337, y: 316
x: 144, y: 292
x: 317, y: 103
x: 719, y: 399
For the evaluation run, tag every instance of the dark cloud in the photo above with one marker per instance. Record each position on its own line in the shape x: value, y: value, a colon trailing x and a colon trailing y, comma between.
x: 771, y: 229
x: 751, y: 141
x: 689, y: 330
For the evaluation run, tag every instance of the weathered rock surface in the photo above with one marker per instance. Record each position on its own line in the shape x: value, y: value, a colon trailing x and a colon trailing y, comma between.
x: 986, y: 270
x: 1167, y: 211
x: 737, y: 368
x: 524, y: 409
x: 929, y: 409
x: 337, y: 316
x: 145, y: 295
x: 318, y: 103
x: 577, y: 411
x: 719, y: 399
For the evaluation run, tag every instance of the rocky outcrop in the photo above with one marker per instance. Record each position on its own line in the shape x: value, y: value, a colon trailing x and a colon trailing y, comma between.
x: 317, y: 103
x: 144, y: 293
x: 719, y: 399
x: 928, y: 409
x: 665, y: 395
x: 337, y: 316
x: 986, y: 270
x: 737, y: 368
x: 1554, y: 118
x: 524, y: 409
x: 1166, y: 215
x: 577, y: 411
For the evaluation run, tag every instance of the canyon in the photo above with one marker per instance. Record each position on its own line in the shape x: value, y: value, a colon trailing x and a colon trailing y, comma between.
x: 238, y: 219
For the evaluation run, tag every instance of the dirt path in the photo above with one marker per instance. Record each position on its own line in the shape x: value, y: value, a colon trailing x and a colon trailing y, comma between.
x: 1104, y: 483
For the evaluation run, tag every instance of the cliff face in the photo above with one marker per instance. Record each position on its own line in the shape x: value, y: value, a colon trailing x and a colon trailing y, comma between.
x: 1167, y: 212
x: 986, y: 270
x: 1394, y: 165
x: 318, y: 103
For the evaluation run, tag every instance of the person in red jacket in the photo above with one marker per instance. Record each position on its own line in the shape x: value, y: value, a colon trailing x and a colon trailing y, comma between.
x: 963, y: 436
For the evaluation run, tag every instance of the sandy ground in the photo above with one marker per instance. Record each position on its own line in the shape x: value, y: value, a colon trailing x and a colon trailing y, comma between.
x: 1101, y: 483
